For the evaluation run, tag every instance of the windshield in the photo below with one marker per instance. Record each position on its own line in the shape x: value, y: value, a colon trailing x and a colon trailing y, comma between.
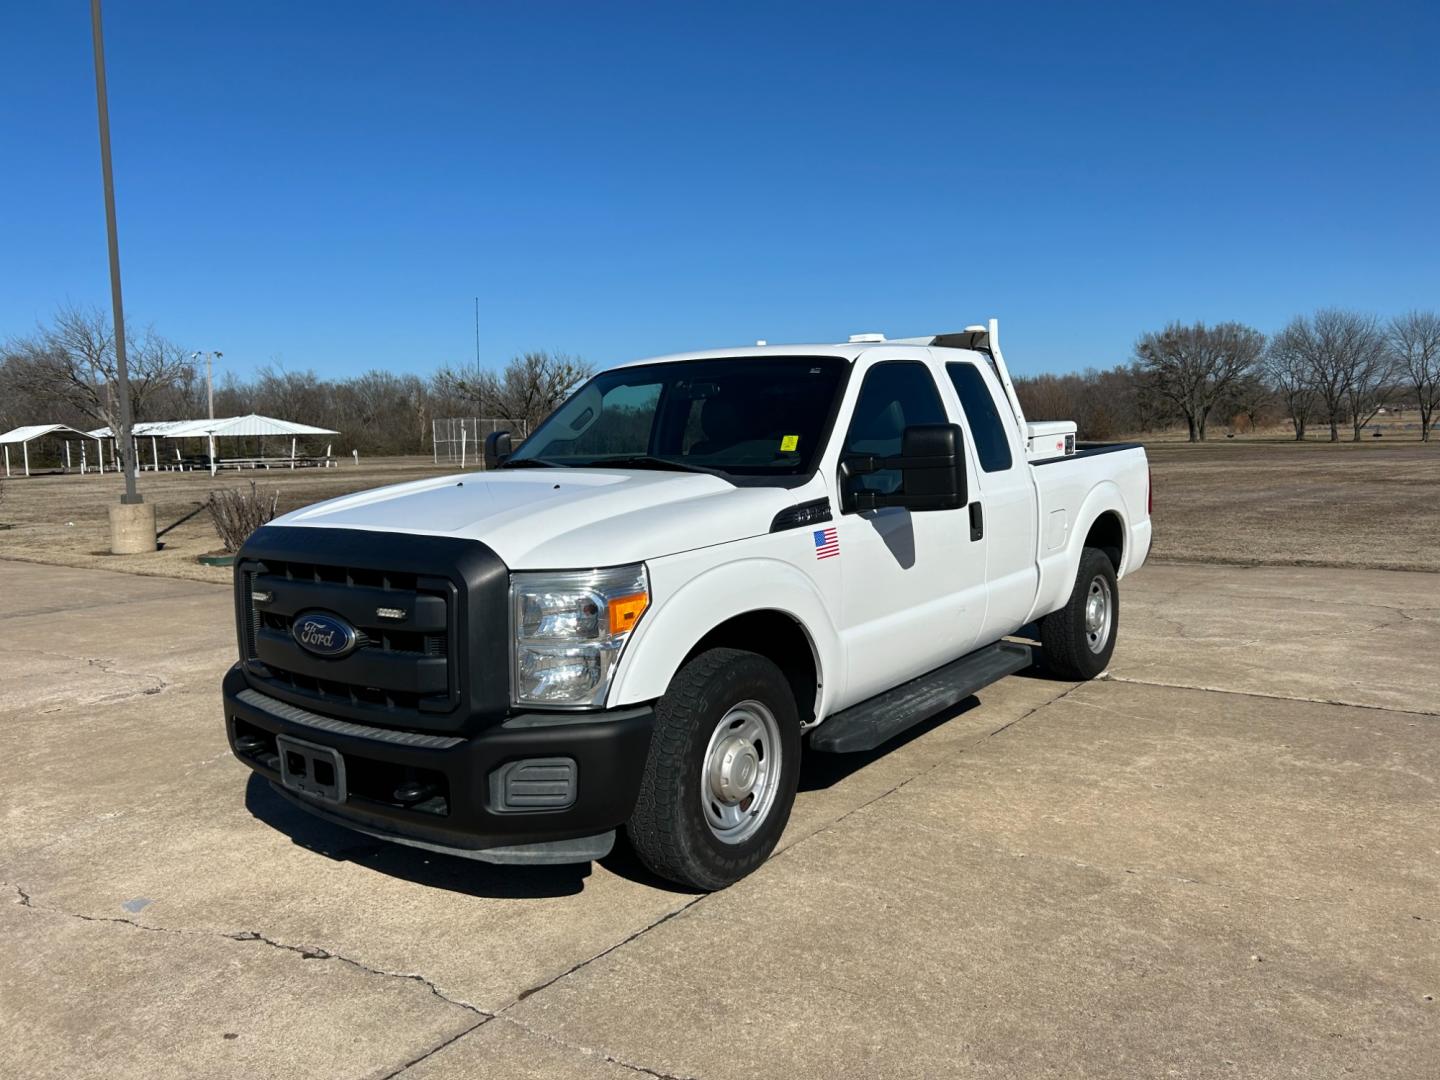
x: 750, y: 416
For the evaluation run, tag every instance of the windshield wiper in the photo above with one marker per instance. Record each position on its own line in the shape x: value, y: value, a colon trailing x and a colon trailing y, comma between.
x: 532, y: 463
x: 644, y: 461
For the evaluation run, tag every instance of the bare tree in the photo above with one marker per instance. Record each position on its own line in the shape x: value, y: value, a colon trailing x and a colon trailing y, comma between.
x: 1371, y: 384
x: 1194, y: 366
x: 1287, y: 367
x: 71, y: 365
x: 1414, y: 343
x: 529, y: 388
x: 1344, y: 360
x: 1250, y: 398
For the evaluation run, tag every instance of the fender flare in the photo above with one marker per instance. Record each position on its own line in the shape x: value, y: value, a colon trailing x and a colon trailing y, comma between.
x: 668, y: 632
x: 1105, y: 497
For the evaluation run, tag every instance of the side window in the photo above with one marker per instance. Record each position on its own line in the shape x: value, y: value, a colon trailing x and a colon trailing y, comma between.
x: 992, y: 446
x: 894, y: 396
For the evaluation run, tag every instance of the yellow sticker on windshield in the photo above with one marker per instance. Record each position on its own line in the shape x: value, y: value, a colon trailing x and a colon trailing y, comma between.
x: 790, y: 442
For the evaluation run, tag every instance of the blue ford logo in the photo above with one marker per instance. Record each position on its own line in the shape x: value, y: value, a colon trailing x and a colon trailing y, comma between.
x: 325, y: 635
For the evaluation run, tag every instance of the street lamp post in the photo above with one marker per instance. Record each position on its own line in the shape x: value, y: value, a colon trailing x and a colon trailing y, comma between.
x: 132, y: 523
x: 210, y: 358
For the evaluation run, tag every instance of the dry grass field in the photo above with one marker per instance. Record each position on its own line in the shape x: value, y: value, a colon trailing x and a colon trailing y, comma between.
x: 1245, y: 501
x: 62, y: 519
x: 1249, y: 501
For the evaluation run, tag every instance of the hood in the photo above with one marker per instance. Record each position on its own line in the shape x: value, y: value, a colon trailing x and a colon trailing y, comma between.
x: 562, y: 518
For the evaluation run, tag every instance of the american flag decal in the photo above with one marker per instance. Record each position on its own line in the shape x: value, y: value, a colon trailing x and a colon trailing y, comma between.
x: 827, y: 543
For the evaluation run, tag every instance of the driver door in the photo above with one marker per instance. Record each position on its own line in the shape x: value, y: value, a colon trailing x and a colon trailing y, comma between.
x: 913, y: 582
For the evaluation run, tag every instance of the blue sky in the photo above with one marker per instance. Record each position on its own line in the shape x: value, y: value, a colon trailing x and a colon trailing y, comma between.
x: 330, y: 185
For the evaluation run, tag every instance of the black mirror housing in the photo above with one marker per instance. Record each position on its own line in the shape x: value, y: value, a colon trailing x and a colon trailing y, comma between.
x: 497, y: 449
x: 932, y: 469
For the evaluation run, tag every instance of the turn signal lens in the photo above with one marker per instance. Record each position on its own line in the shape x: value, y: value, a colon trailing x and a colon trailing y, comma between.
x: 625, y: 611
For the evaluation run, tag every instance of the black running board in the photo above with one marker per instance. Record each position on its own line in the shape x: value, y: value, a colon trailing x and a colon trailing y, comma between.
x: 873, y: 721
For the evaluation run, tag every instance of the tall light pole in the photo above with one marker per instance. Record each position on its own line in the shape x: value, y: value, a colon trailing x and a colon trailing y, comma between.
x: 210, y: 358
x: 130, y: 525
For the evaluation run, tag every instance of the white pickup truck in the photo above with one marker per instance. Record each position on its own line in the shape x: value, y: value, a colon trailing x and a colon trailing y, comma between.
x: 696, y: 566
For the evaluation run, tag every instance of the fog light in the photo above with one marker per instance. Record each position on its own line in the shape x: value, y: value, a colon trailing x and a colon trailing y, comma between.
x: 534, y: 784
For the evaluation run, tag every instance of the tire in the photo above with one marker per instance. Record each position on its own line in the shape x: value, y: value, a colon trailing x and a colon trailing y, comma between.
x: 693, y: 822
x: 1074, y: 648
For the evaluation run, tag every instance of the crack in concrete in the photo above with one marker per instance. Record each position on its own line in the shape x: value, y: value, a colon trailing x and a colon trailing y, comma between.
x: 306, y: 952
x: 485, y: 1019
x: 603, y: 1055
x: 106, y: 665
x: 1270, y: 697
x: 602, y: 953
x: 315, y: 952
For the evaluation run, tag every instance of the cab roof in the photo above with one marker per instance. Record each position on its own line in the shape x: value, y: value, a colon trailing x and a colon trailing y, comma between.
x: 850, y: 351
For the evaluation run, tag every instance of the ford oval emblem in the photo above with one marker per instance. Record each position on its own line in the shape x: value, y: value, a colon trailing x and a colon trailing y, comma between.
x: 325, y: 635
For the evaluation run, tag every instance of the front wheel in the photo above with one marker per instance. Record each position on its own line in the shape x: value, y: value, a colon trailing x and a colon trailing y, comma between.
x: 721, y: 774
x: 1079, y: 638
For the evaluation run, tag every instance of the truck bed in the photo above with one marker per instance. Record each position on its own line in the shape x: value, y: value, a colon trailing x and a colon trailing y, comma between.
x: 1067, y: 489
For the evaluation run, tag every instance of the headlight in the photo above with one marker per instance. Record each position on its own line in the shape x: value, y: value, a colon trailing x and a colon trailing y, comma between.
x: 567, y: 632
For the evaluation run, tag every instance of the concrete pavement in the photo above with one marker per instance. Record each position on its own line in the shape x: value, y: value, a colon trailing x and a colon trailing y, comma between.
x: 1201, y: 866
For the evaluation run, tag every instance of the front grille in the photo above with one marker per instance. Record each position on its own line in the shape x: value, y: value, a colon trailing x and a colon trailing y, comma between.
x: 401, y: 667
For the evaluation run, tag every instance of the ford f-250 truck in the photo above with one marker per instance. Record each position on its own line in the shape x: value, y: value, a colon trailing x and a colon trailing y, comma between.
x: 695, y: 566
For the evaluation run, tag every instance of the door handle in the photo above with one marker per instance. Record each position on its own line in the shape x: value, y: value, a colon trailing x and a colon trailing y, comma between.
x: 977, y: 521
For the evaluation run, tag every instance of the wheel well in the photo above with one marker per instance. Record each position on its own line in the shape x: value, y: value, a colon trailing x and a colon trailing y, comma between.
x: 1108, y: 534
x: 779, y: 638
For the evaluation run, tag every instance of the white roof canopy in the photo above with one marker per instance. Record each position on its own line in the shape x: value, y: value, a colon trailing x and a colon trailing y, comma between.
x: 145, y: 427
x: 255, y: 424
x: 35, y: 431
x: 221, y: 428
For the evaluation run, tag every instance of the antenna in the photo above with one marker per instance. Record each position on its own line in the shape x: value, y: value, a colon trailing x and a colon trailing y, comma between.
x: 477, y: 333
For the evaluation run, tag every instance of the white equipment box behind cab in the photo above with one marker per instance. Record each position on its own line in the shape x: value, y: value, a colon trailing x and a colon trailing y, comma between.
x: 1049, y: 439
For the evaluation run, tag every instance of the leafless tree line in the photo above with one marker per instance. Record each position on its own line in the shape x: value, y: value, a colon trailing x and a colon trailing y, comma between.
x: 1332, y: 370
x: 1337, y: 369
x: 64, y: 372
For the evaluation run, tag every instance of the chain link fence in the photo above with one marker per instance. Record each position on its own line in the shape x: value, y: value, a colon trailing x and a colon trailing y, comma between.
x: 461, y: 440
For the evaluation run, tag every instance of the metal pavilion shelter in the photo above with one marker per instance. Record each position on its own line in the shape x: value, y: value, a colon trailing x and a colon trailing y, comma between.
x: 151, y: 429
x: 252, y: 426
x: 24, y: 436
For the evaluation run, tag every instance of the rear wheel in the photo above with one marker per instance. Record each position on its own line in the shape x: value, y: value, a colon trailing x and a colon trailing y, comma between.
x: 722, y: 770
x: 1079, y: 638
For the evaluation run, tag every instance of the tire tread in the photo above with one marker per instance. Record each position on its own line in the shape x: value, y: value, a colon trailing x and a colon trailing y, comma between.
x: 1062, y: 632
x: 657, y: 828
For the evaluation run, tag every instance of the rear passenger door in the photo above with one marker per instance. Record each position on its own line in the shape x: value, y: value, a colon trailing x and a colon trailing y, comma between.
x: 1005, y: 492
x: 913, y: 582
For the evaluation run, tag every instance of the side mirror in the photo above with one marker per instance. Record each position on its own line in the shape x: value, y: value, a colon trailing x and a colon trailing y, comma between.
x: 932, y: 471
x: 497, y: 449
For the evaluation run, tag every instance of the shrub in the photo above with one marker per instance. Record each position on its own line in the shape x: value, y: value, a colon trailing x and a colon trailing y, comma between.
x: 238, y: 513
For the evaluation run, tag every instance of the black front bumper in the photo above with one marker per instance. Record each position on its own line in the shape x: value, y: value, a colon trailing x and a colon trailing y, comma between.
x: 461, y: 812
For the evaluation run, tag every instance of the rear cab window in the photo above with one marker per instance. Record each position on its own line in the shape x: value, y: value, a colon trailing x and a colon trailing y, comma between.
x: 987, y: 430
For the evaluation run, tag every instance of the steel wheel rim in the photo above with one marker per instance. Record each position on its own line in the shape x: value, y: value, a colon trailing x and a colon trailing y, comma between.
x: 740, y: 775
x: 1099, y: 613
